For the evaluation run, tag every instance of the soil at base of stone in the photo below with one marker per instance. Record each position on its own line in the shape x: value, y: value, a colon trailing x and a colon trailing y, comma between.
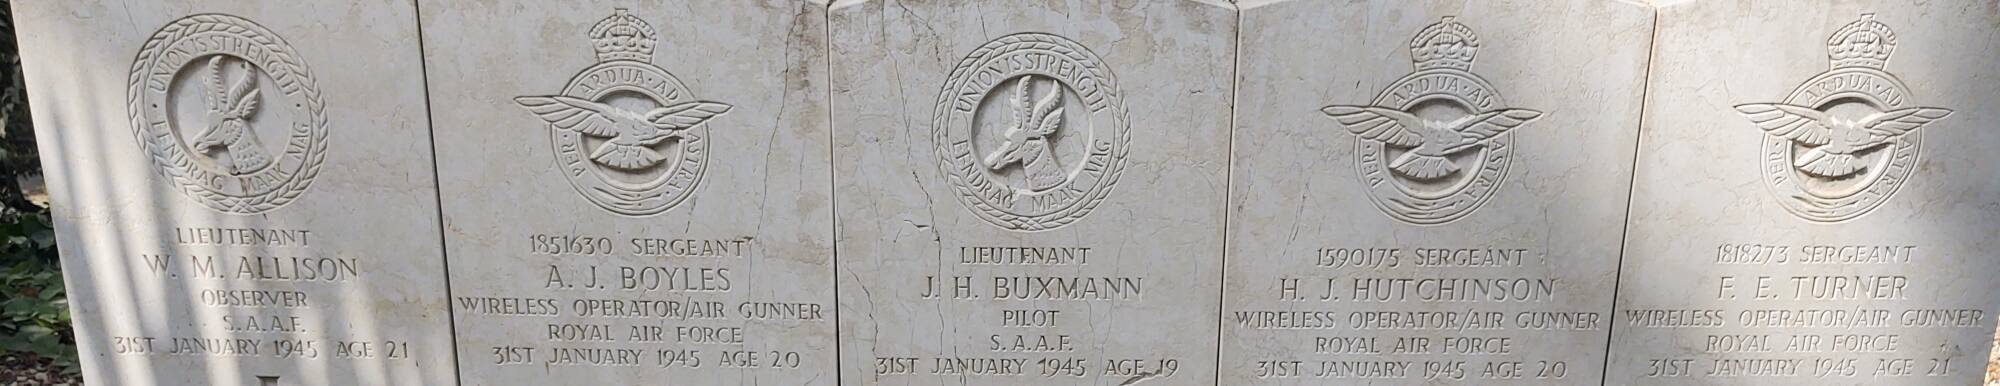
x: 29, y: 370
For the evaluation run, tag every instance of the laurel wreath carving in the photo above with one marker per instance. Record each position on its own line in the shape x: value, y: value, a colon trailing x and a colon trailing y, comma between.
x: 307, y: 87
x: 1052, y: 44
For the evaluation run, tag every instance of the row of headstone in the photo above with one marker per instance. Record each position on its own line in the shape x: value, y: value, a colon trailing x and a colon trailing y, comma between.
x: 899, y: 192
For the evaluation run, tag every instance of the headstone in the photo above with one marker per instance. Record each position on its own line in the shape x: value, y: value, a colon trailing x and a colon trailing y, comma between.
x: 636, y: 192
x: 243, y: 192
x: 1815, y: 200
x: 1427, y: 194
x: 1030, y: 192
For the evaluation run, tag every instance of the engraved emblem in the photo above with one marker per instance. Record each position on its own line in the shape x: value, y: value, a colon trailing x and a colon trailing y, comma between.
x: 1031, y: 131
x: 1847, y: 139
x: 207, y: 96
x: 1434, y: 145
x: 629, y: 136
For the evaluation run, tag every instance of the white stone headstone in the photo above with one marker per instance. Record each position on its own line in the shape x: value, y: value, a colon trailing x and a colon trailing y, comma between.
x: 1815, y: 200
x: 636, y: 191
x: 1030, y: 192
x: 243, y: 192
x: 1428, y: 193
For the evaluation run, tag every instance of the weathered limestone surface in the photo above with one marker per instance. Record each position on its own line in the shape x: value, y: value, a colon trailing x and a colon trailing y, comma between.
x: 1428, y: 192
x: 242, y: 191
x: 1092, y: 192
x: 1030, y: 192
x: 1815, y: 201
x: 636, y: 192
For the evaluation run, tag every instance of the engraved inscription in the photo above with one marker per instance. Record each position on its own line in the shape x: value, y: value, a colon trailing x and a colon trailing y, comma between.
x: 1435, y: 144
x: 205, y: 91
x: 1831, y: 303
x: 628, y: 135
x: 1040, y: 336
x: 597, y: 299
x: 1860, y: 324
x: 1031, y: 131
x: 655, y: 302
x: 1455, y: 304
x: 1847, y: 139
x: 1461, y: 316
x: 262, y: 288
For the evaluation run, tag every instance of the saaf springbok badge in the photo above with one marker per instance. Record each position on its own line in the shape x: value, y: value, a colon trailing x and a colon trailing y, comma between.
x: 1847, y: 139
x: 245, y: 131
x: 1031, y: 132
x: 628, y: 135
x: 1435, y: 145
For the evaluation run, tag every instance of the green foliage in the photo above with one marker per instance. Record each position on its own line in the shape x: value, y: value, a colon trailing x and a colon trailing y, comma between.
x: 18, y: 158
x: 34, y: 317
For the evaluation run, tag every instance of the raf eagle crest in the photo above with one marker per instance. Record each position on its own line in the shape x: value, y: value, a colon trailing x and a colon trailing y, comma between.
x: 1846, y: 140
x: 1428, y: 141
x: 630, y: 137
x: 1435, y: 145
x: 1831, y: 142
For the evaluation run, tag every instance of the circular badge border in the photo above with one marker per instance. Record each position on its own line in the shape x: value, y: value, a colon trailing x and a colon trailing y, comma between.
x: 316, y: 146
x: 1865, y: 206
x: 1121, y: 140
x: 698, y: 173
x: 1479, y: 201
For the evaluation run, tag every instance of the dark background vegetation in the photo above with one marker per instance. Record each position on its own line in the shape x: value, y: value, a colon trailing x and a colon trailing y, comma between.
x: 36, y: 346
